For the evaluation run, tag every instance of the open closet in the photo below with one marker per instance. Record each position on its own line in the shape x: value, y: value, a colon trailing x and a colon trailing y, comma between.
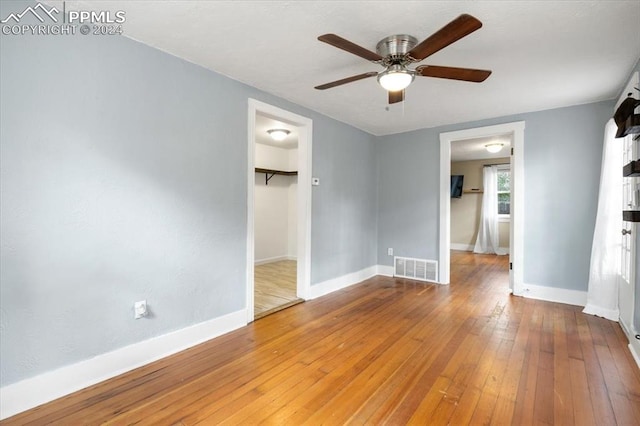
x: 275, y: 216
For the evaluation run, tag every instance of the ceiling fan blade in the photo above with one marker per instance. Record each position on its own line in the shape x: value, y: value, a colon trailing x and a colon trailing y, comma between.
x: 350, y: 47
x: 395, y: 97
x: 453, y: 73
x: 462, y: 26
x: 346, y: 80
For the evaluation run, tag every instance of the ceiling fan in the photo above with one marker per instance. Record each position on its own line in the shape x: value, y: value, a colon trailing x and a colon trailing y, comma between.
x: 397, y: 52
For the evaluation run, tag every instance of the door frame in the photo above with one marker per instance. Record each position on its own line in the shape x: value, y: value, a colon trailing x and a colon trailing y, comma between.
x: 516, y: 130
x: 305, y: 136
x: 627, y: 320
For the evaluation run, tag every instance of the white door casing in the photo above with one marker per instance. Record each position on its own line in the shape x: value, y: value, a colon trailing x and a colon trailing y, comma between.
x: 626, y: 283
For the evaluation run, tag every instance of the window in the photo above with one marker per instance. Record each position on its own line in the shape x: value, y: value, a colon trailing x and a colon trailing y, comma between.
x: 504, y: 192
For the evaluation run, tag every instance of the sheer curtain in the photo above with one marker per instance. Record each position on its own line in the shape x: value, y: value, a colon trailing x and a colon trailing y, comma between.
x: 602, y: 296
x: 488, y: 239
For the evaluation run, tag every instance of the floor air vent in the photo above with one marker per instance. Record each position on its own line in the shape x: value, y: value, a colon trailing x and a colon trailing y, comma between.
x: 416, y: 269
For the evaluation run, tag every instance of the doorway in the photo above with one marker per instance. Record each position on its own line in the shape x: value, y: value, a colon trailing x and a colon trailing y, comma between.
x: 289, y: 266
x: 515, y: 131
x: 472, y: 202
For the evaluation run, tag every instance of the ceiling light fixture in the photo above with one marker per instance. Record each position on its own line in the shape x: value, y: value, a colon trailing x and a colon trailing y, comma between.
x: 494, y: 147
x: 278, y: 134
x: 395, y: 78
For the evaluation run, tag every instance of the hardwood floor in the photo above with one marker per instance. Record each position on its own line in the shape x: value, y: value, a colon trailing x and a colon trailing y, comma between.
x: 386, y: 351
x: 275, y: 287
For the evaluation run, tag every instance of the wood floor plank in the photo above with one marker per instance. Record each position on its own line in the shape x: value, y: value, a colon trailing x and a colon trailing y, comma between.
x: 599, y: 396
x: 385, y: 351
x: 562, y: 391
x: 275, y: 287
x: 582, y: 409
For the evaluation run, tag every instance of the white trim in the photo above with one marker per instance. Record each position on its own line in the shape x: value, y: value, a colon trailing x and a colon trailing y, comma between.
x: 463, y: 247
x: 516, y: 129
x: 46, y: 387
x: 610, y: 314
x: 634, y: 348
x: 334, y: 284
x: 553, y: 294
x: 305, y: 136
x: 469, y: 247
x: 445, y: 209
x: 385, y: 270
x: 634, y: 344
x: 273, y: 259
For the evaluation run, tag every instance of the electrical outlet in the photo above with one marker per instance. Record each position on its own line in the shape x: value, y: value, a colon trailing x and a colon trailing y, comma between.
x: 140, y: 309
x: 390, y: 251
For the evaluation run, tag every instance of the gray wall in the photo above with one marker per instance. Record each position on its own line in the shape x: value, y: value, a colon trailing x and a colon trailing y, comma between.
x: 123, y: 177
x: 562, y: 156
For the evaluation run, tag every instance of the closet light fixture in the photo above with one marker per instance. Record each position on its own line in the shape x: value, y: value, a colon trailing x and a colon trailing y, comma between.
x: 278, y: 134
x: 494, y: 147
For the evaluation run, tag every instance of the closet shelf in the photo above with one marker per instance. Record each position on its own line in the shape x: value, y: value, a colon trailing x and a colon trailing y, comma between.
x: 631, y: 169
x: 472, y: 191
x: 269, y: 173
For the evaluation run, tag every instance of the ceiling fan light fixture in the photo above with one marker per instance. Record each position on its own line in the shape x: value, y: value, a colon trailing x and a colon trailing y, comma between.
x: 395, y: 78
x: 278, y: 134
x: 494, y: 147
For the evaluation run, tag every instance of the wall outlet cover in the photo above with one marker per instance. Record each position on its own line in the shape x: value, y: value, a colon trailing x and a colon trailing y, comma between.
x: 140, y: 309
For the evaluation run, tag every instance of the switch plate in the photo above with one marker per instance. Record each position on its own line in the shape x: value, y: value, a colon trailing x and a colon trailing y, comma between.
x: 315, y: 181
x: 390, y: 251
x: 140, y: 309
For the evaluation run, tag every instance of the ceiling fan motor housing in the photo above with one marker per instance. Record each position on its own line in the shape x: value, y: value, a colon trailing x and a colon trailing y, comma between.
x: 394, y: 48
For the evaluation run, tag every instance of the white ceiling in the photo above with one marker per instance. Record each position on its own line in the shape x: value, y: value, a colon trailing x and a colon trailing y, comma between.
x: 474, y: 149
x: 264, y: 124
x: 543, y: 54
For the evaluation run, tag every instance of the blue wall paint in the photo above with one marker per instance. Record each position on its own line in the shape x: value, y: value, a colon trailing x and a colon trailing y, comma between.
x: 408, y: 185
x: 123, y: 177
x: 563, y: 151
x: 343, y: 238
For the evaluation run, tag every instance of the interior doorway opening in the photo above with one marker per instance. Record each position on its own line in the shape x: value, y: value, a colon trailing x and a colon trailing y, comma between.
x: 480, y: 216
x: 278, y: 209
x: 275, y: 216
x: 514, y: 132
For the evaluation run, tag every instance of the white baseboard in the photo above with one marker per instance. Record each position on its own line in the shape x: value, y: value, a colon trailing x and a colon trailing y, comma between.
x: 30, y: 393
x: 385, y: 270
x: 274, y: 259
x: 634, y: 344
x: 552, y: 294
x: 610, y: 314
x: 334, y: 284
x: 465, y: 247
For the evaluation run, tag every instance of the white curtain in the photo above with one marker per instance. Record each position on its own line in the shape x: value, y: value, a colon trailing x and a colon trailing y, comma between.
x: 488, y: 238
x: 602, y: 296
